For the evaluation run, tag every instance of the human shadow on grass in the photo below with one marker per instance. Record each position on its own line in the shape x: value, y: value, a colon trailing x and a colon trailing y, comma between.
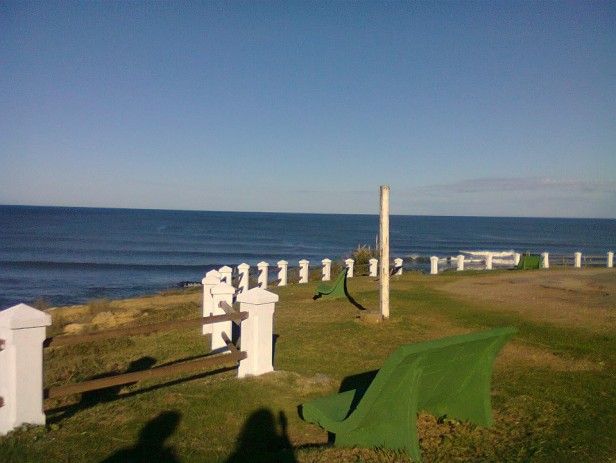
x: 150, y: 447
x: 263, y: 439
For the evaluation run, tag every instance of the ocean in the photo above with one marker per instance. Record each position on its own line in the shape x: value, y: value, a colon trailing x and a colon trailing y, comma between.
x: 66, y: 256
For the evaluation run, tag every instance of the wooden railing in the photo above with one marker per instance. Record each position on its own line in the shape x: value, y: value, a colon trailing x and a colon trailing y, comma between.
x: 233, y: 355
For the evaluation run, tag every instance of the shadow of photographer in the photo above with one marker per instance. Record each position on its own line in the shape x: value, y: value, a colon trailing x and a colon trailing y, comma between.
x: 150, y: 447
x: 263, y: 439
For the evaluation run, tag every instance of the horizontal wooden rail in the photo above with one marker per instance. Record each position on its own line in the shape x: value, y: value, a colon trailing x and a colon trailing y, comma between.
x: 164, y: 326
x: 2, y: 344
x: 125, y: 378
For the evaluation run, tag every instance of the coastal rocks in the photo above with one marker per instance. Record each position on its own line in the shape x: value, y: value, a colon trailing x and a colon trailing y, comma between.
x: 109, y: 319
x: 74, y: 328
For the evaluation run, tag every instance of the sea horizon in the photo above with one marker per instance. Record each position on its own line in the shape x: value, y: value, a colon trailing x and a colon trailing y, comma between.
x: 305, y: 213
x: 65, y: 255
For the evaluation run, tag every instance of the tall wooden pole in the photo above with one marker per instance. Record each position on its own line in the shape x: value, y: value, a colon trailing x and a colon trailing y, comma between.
x: 384, y: 252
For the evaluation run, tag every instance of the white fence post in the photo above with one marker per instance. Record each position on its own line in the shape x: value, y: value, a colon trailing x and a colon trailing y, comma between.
x: 577, y: 259
x: 327, y: 269
x: 610, y: 259
x: 398, y: 266
x: 243, y: 283
x: 211, y: 279
x: 350, y: 263
x: 516, y: 259
x: 222, y: 292
x: 22, y: 330
x: 374, y: 264
x: 226, y: 274
x: 303, y: 271
x: 434, y: 265
x: 283, y: 265
x: 262, y: 279
x: 545, y: 260
x: 257, y: 332
x: 460, y: 263
x: 489, y: 261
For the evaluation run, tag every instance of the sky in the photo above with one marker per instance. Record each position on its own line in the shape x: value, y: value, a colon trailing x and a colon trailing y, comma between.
x: 480, y: 108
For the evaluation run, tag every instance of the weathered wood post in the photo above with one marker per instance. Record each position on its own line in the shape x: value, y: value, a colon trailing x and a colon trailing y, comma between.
x: 226, y: 274
x: 257, y: 332
x: 303, y: 271
x: 327, y: 270
x: 384, y: 252
x: 243, y: 283
x: 283, y: 265
x: 262, y: 278
x: 398, y: 264
x: 22, y: 332
x: 434, y: 265
x: 222, y: 292
x: 350, y: 263
x: 460, y: 263
x: 577, y: 257
x: 489, y: 261
x: 610, y: 260
x: 545, y: 260
x: 373, y: 266
x: 211, y: 279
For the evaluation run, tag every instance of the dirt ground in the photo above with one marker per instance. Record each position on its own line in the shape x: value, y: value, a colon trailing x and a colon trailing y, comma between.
x: 567, y: 297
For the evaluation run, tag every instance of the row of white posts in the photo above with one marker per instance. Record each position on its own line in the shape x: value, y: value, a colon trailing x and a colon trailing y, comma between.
x: 23, y: 330
x: 263, y: 269
x: 545, y: 261
x: 243, y: 270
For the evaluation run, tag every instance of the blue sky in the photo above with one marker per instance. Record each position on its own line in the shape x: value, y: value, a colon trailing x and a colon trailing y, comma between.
x: 462, y: 108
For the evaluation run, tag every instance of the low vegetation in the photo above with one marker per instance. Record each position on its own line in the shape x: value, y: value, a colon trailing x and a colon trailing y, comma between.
x: 554, y: 384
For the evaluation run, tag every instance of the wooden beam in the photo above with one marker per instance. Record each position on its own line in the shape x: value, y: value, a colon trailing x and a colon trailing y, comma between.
x: 164, y: 326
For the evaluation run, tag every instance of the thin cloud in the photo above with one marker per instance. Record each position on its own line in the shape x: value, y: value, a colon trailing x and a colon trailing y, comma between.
x: 512, y: 184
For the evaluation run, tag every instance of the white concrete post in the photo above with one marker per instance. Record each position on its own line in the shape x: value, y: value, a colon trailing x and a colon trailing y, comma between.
x: 22, y: 328
x: 262, y: 279
x: 578, y: 259
x: 489, y: 261
x: 610, y: 260
x: 516, y: 258
x: 211, y: 279
x: 384, y: 252
x: 350, y: 264
x: 460, y: 262
x: 374, y: 264
x: 327, y: 269
x: 257, y: 332
x: 243, y: 283
x: 226, y: 274
x: 303, y: 271
x: 545, y: 260
x: 283, y: 265
x: 222, y: 292
x: 434, y: 265
x: 398, y: 266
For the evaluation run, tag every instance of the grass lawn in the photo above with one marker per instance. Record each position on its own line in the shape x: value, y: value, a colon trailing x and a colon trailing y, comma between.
x: 553, y: 389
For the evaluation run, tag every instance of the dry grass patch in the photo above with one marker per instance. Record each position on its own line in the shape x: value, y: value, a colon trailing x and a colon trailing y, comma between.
x: 581, y: 298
